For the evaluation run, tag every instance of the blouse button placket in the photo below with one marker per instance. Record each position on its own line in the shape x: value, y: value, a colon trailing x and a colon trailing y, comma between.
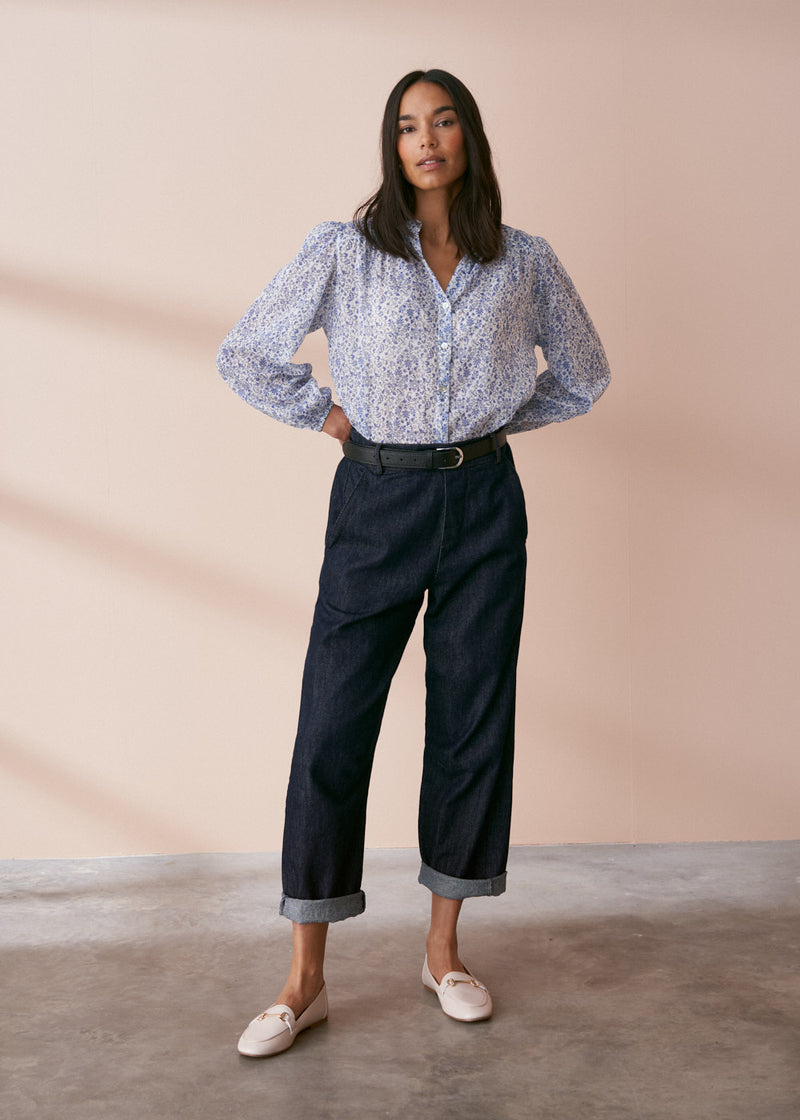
x: 444, y: 334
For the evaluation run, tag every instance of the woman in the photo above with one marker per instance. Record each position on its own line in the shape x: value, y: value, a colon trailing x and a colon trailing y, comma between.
x: 432, y: 310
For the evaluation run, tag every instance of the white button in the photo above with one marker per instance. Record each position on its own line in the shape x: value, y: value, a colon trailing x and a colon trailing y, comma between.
x: 445, y: 305
x: 445, y: 346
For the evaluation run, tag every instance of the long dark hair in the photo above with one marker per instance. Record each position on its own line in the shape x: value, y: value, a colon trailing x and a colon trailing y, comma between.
x: 475, y: 212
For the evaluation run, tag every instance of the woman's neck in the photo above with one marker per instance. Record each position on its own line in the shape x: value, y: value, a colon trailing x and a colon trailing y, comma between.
x: 433, y: 210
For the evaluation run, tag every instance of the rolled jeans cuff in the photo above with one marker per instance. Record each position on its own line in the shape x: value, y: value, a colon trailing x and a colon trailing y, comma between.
x: 304, y: 910
x: 448, y: 887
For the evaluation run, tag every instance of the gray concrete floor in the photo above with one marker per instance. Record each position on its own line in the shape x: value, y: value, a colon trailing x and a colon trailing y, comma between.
x: 652, y: 982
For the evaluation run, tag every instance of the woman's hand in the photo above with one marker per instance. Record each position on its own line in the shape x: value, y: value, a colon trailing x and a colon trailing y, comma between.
x: 336, y: 424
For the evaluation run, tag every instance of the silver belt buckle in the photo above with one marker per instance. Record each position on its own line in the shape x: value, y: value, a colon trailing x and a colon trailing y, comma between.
x: 455, y: 466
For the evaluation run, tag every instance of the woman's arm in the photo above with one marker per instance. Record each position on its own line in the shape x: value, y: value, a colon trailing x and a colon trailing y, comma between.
x: 577, y: 371
x: 336, y: 424
x: 255, y: 357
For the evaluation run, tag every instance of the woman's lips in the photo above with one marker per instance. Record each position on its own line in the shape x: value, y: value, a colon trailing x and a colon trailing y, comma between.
x: 430, y: 164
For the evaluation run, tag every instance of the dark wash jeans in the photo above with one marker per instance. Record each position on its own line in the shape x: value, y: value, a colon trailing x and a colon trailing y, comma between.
x: 392, y: 536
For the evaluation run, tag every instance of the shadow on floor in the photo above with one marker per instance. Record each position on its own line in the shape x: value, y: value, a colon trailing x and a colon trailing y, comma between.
x: 127, y: 983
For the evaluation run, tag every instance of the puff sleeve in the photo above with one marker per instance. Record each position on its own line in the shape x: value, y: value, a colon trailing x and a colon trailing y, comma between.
x: 577, y: 372
x: 255, y: 357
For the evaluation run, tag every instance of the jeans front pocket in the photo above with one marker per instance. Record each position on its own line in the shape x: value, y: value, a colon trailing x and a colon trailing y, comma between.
x: 346, y: 481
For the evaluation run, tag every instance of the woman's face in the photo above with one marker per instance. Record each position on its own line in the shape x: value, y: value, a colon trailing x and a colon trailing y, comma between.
x: 430, y: 141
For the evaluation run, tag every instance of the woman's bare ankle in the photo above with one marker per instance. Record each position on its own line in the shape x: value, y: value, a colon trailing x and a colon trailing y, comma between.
x: 300, y: 991
x: 305, y: 979
x: 443, y: 956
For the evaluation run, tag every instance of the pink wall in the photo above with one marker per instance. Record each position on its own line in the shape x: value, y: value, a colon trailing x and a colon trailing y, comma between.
x: 162, y: 541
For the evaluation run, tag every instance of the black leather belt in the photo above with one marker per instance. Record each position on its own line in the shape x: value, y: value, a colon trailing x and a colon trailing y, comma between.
x: 445, y: 458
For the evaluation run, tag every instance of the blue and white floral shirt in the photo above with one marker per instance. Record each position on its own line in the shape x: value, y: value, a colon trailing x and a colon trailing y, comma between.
x: 412, y: 363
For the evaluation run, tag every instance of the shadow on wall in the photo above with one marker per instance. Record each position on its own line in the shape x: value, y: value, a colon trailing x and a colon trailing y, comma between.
x: 89, y: 799
x: 185, y: 576
x: 196, y: 332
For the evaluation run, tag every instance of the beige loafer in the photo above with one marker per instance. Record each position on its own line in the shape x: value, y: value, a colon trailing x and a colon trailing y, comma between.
x: 461, y: 996
x: 275, y: 1029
